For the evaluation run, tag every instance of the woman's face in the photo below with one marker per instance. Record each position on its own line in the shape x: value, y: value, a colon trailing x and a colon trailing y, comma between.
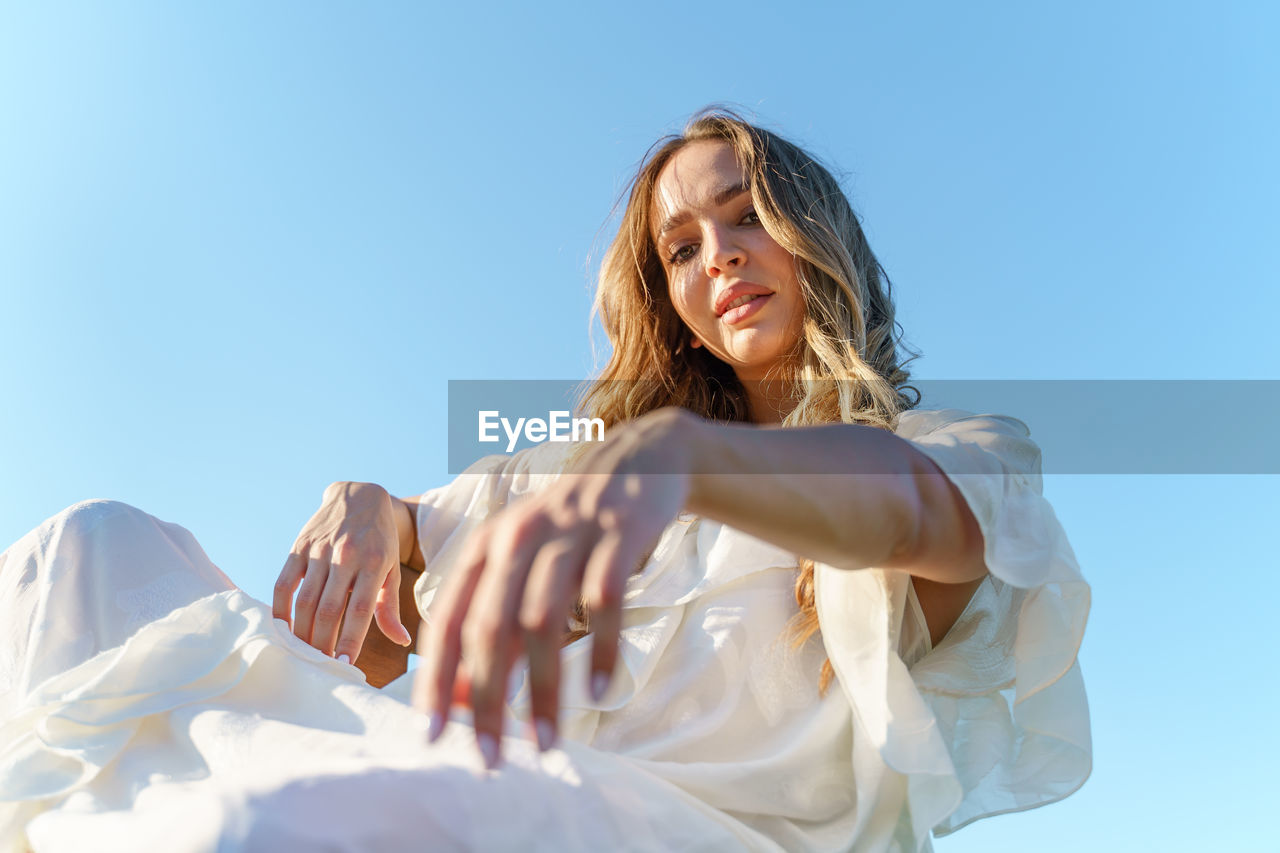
x: 731, y: 283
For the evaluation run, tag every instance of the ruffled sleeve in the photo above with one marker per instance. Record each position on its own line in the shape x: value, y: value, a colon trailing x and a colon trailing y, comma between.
x: 994, y: 719
x: 447, y: 515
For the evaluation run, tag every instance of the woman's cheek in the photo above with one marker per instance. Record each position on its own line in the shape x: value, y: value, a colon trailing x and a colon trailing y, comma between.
x: 685, y: 296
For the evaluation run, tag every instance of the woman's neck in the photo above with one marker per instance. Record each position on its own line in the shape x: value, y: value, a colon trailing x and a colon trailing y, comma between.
x: 769, y: 401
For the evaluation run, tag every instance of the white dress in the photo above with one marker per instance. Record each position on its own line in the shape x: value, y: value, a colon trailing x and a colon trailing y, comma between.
x: 146, y: 703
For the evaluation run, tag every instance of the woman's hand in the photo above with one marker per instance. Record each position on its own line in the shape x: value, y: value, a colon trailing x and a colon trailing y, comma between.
x: 347, y: 558
x: 520, y: 573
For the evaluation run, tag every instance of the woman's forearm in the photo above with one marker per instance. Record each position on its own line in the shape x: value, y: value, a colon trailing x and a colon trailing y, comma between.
x: 848, y: 495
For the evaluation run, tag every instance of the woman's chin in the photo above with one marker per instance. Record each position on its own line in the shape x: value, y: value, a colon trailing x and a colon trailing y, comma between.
x: 754, y: 355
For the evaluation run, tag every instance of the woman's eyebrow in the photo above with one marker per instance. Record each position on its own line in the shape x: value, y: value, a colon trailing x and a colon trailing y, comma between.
x: 721, y: 196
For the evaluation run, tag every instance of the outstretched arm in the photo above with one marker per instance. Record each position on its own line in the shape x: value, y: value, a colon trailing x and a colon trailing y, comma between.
x: 847, y: 495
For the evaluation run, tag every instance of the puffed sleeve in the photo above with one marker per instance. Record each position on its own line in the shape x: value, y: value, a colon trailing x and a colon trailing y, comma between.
x: 446, y: 516
x: 994, y: 719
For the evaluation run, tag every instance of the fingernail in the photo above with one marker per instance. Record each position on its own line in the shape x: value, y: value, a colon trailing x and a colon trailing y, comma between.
x: 344, y: 659
x: 599, y: 684
x: 488, y: 749
x: 546, y: 737
x: 435, y: 725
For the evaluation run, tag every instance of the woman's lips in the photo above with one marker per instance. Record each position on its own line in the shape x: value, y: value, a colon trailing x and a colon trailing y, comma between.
x: 742, y: 312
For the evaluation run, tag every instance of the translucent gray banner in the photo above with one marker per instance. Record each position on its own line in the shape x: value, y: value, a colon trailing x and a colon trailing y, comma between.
x: 1086, y: 426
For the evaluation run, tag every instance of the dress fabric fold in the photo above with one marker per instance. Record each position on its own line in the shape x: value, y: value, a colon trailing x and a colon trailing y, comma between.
x: 995, y: 719
x: 145, y: 701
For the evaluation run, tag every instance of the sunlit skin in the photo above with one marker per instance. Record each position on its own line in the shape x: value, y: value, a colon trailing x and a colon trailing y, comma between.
x: 512, y: 588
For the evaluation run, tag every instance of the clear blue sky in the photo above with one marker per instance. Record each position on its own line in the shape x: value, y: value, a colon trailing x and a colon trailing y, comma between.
x: 243, y: 248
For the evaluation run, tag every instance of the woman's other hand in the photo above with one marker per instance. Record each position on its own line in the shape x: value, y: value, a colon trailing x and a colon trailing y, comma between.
x: 520, y: 573
x: 347, y: 559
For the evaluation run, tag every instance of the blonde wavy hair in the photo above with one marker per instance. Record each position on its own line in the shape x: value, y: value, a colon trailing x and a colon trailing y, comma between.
x: 844, y: 368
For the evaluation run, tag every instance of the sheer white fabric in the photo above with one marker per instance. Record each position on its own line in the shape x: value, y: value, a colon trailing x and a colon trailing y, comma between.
x: 995, y: 719
x: 147, y: 702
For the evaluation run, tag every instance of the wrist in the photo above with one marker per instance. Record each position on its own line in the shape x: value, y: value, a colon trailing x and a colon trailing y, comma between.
x: 681, y: 437
x: 405, y: 514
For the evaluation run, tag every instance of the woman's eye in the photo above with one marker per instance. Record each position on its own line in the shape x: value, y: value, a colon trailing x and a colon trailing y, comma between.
x: 751, y: 218
x: 681, y: 254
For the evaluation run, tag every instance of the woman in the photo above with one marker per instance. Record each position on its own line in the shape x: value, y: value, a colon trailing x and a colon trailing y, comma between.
x: 689, y: 707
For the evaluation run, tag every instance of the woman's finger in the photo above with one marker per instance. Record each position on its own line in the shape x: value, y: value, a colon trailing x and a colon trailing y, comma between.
x: 333, y: 603
x: 490, y: 630
x: 313, y: 585
x: 358, y: 616
x: 386, y: 609
x: 290, y: 576
x: 440, y: 638
x: 603, y: 582
x: 553, y: 580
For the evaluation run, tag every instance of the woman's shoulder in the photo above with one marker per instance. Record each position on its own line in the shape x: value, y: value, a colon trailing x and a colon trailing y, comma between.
x: 963, y: 442
x: 917, y: 422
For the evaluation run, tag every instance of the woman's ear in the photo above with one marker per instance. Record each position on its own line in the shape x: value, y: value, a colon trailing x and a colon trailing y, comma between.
x: 695, y: 343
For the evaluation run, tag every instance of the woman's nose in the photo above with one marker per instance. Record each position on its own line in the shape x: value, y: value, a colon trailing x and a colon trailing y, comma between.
x: 723, y: 252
